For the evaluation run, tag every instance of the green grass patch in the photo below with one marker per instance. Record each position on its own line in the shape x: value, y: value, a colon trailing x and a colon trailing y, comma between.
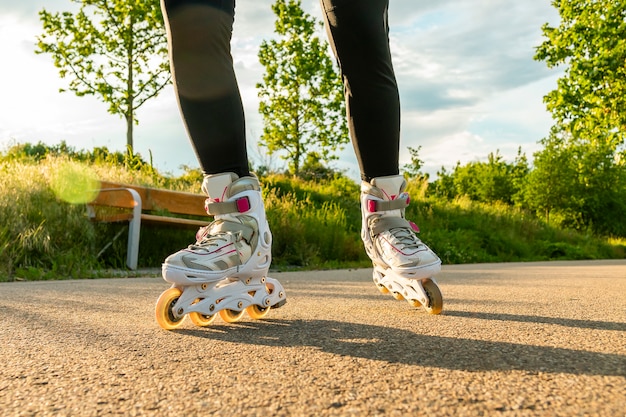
x: 45, y: 232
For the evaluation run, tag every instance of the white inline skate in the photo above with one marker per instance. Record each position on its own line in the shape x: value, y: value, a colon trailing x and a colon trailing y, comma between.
x: 403, y: 265
x: 225, y: 271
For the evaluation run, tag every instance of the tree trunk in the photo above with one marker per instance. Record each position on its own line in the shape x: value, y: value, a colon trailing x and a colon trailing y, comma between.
x: 129, y: 129
x: 129, y: 88
x: 298, y: 151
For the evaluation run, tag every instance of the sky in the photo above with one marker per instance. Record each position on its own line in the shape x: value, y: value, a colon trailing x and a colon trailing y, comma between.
x: 468, y: 85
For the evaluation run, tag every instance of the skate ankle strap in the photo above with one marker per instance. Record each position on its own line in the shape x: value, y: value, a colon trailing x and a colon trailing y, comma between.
x: 401, y: 202
x: 239, y: 205
x: 382, y: 224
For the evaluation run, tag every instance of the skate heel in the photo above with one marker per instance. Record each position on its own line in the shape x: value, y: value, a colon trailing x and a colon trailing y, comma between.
x: 422, y: 292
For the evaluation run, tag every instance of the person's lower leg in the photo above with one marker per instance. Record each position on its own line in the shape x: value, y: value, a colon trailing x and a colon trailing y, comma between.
x: 199, y: 35
x: 358, y: 32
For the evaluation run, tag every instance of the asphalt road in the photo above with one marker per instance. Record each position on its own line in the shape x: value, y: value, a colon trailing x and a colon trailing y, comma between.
x: 513, y: 340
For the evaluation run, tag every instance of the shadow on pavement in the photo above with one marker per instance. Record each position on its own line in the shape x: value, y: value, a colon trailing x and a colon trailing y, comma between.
x: 405, y: 347
x: 583, y: 324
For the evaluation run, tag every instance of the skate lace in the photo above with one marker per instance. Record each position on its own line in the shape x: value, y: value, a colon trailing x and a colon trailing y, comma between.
x: 404, y: 238
x: 206, y: 240
x: 396, y: 230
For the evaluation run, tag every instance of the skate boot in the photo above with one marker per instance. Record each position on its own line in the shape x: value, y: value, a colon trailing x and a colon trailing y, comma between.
x: 403, y: 265
x: 225, y: 271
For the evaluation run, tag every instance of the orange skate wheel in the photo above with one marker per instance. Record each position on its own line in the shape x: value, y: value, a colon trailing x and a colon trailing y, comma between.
x: 201, y: 320
x: 257, y: 312
x: 435, y: 299
x: 231, y: 316
x: 398, y: 296
x: 163, y: 310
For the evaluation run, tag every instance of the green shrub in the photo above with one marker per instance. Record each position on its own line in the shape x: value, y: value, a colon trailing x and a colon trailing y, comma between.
x: 315, y: 224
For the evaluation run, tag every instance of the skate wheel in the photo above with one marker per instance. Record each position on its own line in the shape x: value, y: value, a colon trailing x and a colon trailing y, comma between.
x: 231, y: 316
x: 398, y: 296
x: 164, y: 315
x: 201, y: 320
x: 435, y: 299
x: 257, y: 312
x: 415, y: 303
x: 383, y: 289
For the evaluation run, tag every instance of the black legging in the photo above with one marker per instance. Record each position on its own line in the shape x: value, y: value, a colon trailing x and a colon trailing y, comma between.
x: 199, y: 34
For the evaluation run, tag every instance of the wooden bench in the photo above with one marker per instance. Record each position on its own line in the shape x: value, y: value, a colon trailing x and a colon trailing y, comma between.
x: 136, y: 204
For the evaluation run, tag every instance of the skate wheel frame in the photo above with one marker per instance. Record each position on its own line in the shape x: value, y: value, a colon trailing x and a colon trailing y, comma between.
x: 230, y: 298
x: 417, y: 292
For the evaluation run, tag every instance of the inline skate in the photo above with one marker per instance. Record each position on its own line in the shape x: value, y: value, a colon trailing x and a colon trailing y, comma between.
x: 403, y: 265
x: 225, y: 271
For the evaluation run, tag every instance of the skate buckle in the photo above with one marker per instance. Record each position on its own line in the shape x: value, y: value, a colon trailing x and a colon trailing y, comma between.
x: 398, y: 203
x: 239, y: 205
x: 243, y: 204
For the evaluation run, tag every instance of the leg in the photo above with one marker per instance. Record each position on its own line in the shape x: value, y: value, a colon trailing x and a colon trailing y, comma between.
x: 199, y: 34
x: 225, y: 270
x: 358, y: 33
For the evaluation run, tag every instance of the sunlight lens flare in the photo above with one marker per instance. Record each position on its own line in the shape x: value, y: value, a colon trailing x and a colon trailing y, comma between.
x: 74, y: 183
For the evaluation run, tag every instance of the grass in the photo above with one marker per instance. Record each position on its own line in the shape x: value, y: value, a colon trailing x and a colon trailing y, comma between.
x: 45, y: 233
x: 40, y: 236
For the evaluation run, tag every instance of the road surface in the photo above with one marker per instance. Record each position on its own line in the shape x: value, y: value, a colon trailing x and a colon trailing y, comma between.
x: 513, y: 340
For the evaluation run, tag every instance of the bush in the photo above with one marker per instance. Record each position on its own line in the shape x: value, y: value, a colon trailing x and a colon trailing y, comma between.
x: 316, y: 224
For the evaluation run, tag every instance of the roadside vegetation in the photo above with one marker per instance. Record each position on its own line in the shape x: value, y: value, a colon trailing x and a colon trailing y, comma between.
x: 315, y: 219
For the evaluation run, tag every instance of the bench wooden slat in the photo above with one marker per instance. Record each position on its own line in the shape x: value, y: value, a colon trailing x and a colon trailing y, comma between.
x: 148, y: 205
x: 114, y: 197
x: 112, y: 218
x: 153, y: 199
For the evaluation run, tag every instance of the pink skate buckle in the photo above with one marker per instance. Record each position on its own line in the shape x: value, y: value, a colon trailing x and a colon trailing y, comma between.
x: 243, y: 204
x: 371, y: 206
x: 415, y: 228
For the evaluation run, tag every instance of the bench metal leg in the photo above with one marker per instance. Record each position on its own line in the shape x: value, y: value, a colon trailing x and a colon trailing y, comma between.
x: 132, y: 253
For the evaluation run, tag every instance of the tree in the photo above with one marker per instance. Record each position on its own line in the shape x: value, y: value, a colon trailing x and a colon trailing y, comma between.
x: 414, y: 168
x: 590, y: 99
x: 583, y: 184
x: 444, y: 184
x: 301, y: 94
x: 113, y: 49
x: 591, y: 42
x: 313, y: 169
x: 494, y: 180
x: 589, y: 107
x: 551, y: 183
x: 519, y: 177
